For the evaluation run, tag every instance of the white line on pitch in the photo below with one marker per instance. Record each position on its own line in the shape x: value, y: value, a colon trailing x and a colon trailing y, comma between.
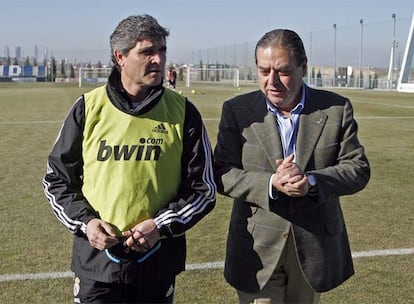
x: 384, y: 252
x: 210, y: 265
x: 383, y: 117
x: 385, y: 104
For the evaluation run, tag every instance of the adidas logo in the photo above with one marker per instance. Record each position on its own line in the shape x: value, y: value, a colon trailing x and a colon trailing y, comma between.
x: 160, y: 129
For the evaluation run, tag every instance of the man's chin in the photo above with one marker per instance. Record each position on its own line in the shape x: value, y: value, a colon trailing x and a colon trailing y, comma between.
x: 154, y: 81
x: 275, y: 99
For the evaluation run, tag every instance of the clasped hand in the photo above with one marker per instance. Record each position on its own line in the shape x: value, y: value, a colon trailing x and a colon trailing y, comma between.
x: 140, y: 238
x: 289, y: 178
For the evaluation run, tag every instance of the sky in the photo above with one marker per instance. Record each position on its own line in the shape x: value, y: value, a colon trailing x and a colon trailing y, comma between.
x: 81, y: 28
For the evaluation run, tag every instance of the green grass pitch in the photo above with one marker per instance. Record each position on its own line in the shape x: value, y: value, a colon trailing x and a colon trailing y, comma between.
x: 378, y: 218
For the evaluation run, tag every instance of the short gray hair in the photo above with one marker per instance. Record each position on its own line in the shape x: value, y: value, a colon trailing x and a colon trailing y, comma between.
x: 133, y: 29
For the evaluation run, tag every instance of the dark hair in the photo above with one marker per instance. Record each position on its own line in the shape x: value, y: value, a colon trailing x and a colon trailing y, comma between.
x: 285, y: 39
x: 133, y: 29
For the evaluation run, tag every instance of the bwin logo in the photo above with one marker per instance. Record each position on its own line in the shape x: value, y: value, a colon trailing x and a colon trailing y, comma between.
x: 147, y: 149
x: 160, y: 129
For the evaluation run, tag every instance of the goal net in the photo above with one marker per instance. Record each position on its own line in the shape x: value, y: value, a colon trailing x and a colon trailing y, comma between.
x: 406, y: 79
x: 212, y: 75
x: 93, y: 75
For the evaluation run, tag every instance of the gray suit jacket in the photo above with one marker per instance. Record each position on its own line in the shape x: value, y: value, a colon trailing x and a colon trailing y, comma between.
x: 327, y: 146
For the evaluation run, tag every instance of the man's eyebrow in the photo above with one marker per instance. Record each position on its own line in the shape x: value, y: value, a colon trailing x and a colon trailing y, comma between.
x: 152, y: 48
x: 263, y: 67
x: 283, y: 68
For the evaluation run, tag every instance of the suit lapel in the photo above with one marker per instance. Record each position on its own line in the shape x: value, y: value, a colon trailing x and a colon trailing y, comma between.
x: 263, y: 124
x: 311, y: 124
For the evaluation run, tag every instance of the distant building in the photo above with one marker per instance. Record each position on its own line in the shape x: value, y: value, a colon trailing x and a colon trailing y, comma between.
x: 18, y: 52
x: 6, y: 51
x: 45, y: 53
x: 36, y: 53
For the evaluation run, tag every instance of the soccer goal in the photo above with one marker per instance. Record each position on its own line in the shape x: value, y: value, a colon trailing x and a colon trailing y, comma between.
x: 212, y: 75
x: 93, y: 75
x: 406, y: 79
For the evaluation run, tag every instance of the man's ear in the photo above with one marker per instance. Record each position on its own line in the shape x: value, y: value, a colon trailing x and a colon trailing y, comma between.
x: 118, y: 57
x: 305, y: 68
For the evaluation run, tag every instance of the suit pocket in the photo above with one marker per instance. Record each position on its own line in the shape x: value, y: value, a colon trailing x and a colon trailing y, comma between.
x: 266, y: 236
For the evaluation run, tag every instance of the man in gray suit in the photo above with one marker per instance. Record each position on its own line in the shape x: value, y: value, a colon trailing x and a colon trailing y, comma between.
x: 286, y: 153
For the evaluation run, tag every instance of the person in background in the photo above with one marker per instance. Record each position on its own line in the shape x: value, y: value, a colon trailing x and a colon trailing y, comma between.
x: 286, y: 154
x: 129, y: 173
x: 171, y: 77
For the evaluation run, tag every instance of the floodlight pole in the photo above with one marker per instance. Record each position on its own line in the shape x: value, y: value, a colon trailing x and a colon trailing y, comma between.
x: 310, y: 80
x: 334, y: 82
x: 393, y: 50
x: 392, y: 56
x: 361, y: 21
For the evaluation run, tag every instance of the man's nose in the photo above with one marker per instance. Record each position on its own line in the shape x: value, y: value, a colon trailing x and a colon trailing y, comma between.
x: 157, y: 58
x: 274, y: 76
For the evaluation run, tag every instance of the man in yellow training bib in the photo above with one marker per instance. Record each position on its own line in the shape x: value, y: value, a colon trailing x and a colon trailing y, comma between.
x: 129, y: 173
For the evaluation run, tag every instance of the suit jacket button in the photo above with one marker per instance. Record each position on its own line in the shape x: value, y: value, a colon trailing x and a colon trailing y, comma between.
x: 285, y: 235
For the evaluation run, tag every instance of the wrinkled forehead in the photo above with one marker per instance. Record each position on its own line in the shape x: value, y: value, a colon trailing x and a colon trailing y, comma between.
x: 271, y: 56
x: 152, y: 41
